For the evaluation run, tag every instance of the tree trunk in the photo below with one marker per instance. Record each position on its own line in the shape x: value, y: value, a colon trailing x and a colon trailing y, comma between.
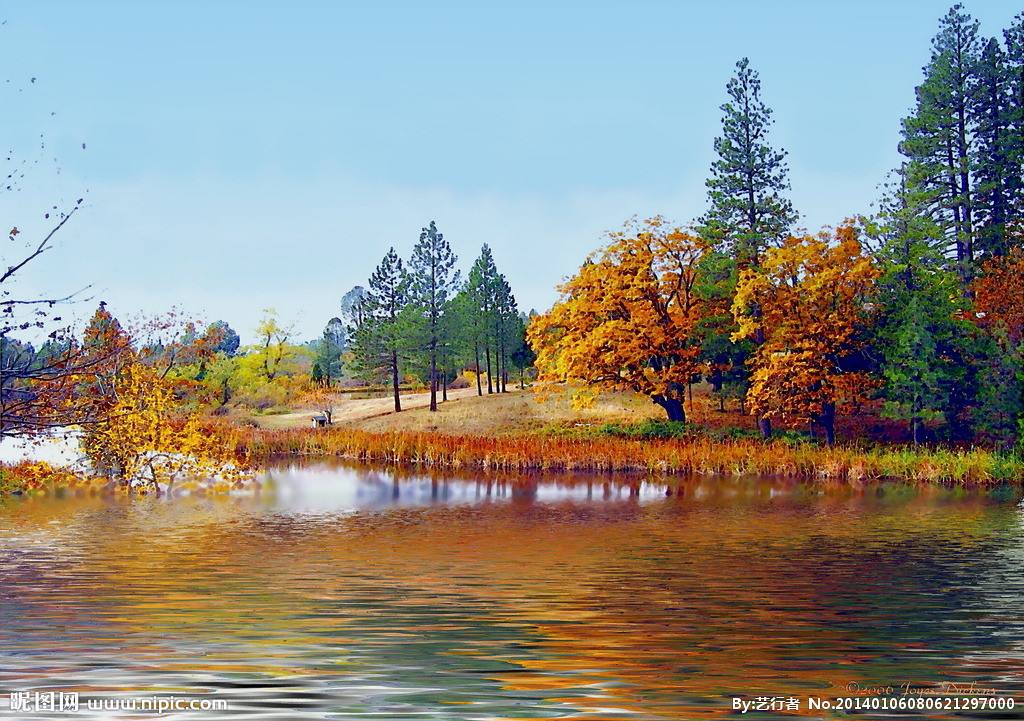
x: 444, y: 383
x: 827, y: 419
x: 433, y: 375
x: 487, y: 356
x: 394, y: 381
x: 915, y: 422
x: 502, y: 367
x: 673, y: 407
x: 763, y: 423
x: 476, y: 355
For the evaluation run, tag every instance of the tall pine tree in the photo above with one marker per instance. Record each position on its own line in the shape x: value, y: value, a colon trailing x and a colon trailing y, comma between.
x: 1013, y: 38
x: 749, y: 210
x: 433, y: 281
x: 991, y: 110
x: 748, y: 182
x: 938, y: 136
x: 482, y: 278
x: 383, y: 339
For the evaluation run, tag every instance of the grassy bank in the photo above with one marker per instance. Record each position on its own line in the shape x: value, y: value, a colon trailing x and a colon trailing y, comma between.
x: 665, y: 456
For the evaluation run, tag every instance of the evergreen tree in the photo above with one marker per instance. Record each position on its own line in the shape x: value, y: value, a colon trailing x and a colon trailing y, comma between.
x: 749, y: 179
x: 990, y: 108
x: 748, y: 182
x: 379, y: 341
x: 521, y: 354
x: 328, y: 352
x: 938, y: 137
x: 724, y: 359
x: 918, y: 307
x: 998, y: 405
x: 482, y: 278
x: 505, y: 312
x: 1014, y: 58
x: 229, y: 340
x: 434, y: 281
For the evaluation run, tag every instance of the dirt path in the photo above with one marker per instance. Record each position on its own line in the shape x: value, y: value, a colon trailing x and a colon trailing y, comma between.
x: 358, y: 409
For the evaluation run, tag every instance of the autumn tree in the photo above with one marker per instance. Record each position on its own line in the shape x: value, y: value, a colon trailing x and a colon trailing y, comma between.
x: 145, y: 437
x: 999, y: 311
x: 999, y: 295
x: 272, y: 341
x: 433, y: 281
x: 626, y: 321
x: 36, y: 392
x: 810, y: 294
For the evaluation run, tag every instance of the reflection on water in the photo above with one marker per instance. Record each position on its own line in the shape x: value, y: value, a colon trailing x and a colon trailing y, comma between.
x: 353, y: 593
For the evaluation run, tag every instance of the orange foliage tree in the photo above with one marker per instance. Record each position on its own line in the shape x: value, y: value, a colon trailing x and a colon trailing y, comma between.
x: 810, y: 295
x: 627, y: 319
x: 999, y: 295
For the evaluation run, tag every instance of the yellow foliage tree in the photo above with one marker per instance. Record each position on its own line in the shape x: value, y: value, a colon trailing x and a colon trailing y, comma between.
x: 145, y: 439
x: 809, y: 300
x: 627, y: 320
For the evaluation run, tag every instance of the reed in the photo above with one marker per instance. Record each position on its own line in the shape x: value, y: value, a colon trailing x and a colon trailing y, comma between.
x: 670, y: 456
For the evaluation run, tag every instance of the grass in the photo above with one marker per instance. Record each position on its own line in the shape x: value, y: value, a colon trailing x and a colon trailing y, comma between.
x: 517, y: 413
x: 620, y: 433
x: 687, y: 455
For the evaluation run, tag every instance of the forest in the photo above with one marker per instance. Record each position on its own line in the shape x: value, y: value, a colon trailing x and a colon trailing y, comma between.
x: 917, y: 305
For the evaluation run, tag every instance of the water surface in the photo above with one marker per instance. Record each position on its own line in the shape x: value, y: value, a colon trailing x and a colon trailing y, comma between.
x: 341, y: 592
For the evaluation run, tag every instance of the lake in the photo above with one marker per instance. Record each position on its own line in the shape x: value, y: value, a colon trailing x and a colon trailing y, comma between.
x: 354, y: 593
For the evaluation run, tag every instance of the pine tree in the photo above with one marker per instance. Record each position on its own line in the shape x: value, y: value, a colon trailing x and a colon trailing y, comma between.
x: 1014, y: 41
x: 382, y: 339
x: 433, y: 281
x: 505, y: 311
x: 482, y: 278
x: 918, y: 305
x: 329, y: 350
x: 991, y: 110
x: 521, y: 354
x: 938, y: 137
x: 748, y: 182
x: 749, y: 211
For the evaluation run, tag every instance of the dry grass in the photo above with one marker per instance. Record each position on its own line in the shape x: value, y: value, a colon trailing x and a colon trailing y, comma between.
x: 520, y: 413
x: 518, y: 432
x: 515, y: 413
x: 348, y: 409
x: 687, y: 456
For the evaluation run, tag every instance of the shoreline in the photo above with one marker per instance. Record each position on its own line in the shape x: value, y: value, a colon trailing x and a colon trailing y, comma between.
x: 671, y: 457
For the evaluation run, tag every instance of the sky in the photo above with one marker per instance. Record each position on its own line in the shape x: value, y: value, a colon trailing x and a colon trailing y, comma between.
x: 238, y: 156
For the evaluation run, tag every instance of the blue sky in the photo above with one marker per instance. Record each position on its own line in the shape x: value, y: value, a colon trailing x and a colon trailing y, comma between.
x: 246, y: 155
